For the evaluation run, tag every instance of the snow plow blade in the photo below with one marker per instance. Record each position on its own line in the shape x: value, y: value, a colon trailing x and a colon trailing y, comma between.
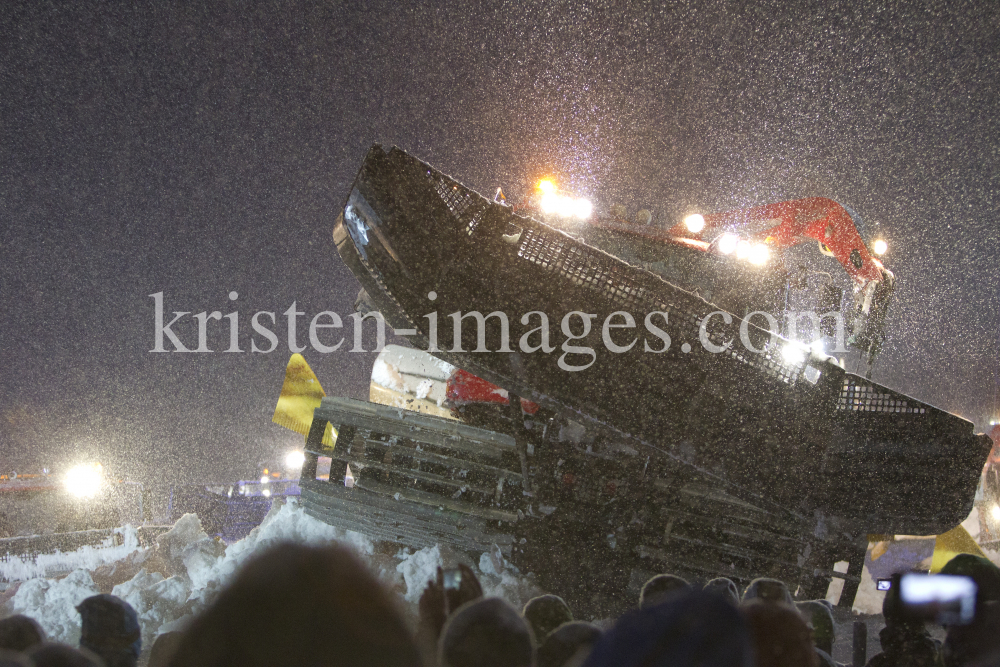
x: 415, y: 479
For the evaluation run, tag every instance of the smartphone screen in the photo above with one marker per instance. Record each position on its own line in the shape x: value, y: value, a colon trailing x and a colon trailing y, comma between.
x: 947, y: 599
x: 883, y: 584
x: 452, y: 579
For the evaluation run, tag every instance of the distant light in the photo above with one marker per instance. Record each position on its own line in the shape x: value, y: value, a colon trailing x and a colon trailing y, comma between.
x: 759, y: 254
x: 728, y: 243
x: 266, y: 493
x: 879, y: 247
x: 695, y: 223
x: 295, y: 458
x: 265, y: 480
x: 793, y: 353
x: 547, y: 186
x: 84, y: 481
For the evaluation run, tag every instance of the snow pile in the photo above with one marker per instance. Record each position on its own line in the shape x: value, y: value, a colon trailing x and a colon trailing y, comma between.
x: 497, y: 577
x: 87, y: 558
x: 419, y: 568
x: 502, y: 580
x: 53, y: 604
x: 286, y: 523
x: 172, y: 581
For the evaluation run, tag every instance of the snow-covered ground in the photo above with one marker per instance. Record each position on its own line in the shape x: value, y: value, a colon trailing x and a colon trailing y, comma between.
x: 170, y: 582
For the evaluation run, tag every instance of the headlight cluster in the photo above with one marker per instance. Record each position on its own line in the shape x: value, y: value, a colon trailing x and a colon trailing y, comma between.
x: 755, y: 253
x: 695, y: 223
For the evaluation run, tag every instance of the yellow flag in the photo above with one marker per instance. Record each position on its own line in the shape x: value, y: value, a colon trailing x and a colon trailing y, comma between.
x: 300, y: 395
x: 948, y: 545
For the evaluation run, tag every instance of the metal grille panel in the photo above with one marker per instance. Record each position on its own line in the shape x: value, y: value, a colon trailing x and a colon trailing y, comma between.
x: 858, y: 395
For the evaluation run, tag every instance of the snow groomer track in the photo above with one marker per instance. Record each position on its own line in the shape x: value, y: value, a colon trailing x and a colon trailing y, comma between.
x: 416, y: 479
x: 729, y: 463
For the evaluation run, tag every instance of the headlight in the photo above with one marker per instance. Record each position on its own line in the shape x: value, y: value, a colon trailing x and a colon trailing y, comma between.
x: 728, y: 243
x: 879, y: 247
x: 295, y: 459
x: 755, y: 253
x: 793, y: 353
x: 85, y: 481
x: 694, y: 223
x: 566, y: 207
x: 759, y: 254
x: 550, y: 202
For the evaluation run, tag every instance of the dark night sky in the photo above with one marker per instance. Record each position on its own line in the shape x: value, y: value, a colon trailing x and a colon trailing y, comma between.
x: 201, y: 148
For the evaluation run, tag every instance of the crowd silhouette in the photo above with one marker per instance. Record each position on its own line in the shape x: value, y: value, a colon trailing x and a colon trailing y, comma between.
x: 320, y: 606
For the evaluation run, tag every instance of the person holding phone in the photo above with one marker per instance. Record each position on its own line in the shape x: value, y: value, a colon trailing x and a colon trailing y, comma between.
x: 905, y: 640
x: 978, y: 642
x: 448, y: 591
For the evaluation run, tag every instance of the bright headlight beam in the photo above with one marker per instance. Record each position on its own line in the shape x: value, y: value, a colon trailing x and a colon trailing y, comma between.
x: 546, y: 186
x: 565, y: 207
x: 694, y: 223
x: 550, y: 202
x: 759, y: 254
x: 728, y: 243
x: 84, y: 481
x: 793, y: 353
